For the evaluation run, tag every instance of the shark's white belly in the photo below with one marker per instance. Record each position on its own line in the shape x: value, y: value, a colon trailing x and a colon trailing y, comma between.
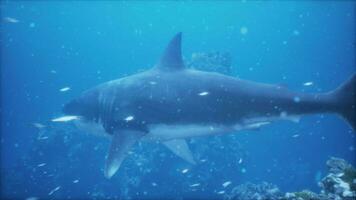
x: 163, y: 132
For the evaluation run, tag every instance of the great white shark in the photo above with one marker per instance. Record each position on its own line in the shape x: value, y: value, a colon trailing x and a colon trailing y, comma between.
x: 170, y: 103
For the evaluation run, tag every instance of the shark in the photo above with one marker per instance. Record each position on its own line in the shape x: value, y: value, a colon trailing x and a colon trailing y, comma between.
x: 170, y: 103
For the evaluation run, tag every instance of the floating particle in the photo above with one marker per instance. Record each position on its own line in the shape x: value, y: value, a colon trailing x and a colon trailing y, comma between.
x: 203, y: 93
x: 39, y: 125
x: 129, y: 118
x: 244, y: 30
x: 296, y: 32
x: 351, y: 148
x: 41, y: 165
x: 195, y: 185
x: 227, y: 183
x: 76, y: 181
x: 65, y: 118
x: 295, y: 136
x: 32, y: 25
x: 154, y: 184
x: 221, y: 192
x: 317, y: 176
x: 32, y: 198
x: 184, y: 171
x: 240, y: 161
x: 283, y: 114
x: 11, y: 20
x: 153, y: 82
x: 243, y: 170
x: 53, y: 71
x: 296, y: 99
x: 54, y: 190
x: 308, y: 83
x: 65, y: 89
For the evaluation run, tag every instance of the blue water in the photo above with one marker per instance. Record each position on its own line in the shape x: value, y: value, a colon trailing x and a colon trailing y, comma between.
x: 46, y: 46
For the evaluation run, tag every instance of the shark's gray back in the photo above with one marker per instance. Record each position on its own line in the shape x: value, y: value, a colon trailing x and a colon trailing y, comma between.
x: 184, y: 97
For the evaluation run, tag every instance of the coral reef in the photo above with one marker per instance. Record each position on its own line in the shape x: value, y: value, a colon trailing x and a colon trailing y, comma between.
x: 255, y: 192
x: 339, y: 184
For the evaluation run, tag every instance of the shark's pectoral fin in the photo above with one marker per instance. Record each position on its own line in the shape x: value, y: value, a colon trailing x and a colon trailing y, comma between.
x: 181, y: 149
x: 121, y: 143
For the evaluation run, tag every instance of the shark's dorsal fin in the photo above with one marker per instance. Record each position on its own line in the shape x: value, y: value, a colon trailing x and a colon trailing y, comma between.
x: 171, y: 59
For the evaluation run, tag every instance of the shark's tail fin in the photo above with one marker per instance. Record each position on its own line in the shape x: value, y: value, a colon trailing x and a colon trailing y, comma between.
x: 345, y: 96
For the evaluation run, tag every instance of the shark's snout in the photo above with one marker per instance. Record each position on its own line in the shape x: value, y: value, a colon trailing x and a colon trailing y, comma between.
x: 85, y: 105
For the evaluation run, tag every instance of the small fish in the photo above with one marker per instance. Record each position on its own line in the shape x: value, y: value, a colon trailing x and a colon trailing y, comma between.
x: 203, y: 93
x: 65, y: 118
x: 154, y: 184
x: 129, y: 118
x: 227, y: 183
x: 11, y: 20
x: 54, y: 190
x: 65, y: 89
x: 76, y: 181
x: 295, y: 136
x: 195, y: 185
x: 41, y: 165
x: 221, y: 192
x: 184, y: 171
x: 308, y: 83
x: 240, y: 161
x: 42, y: 138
